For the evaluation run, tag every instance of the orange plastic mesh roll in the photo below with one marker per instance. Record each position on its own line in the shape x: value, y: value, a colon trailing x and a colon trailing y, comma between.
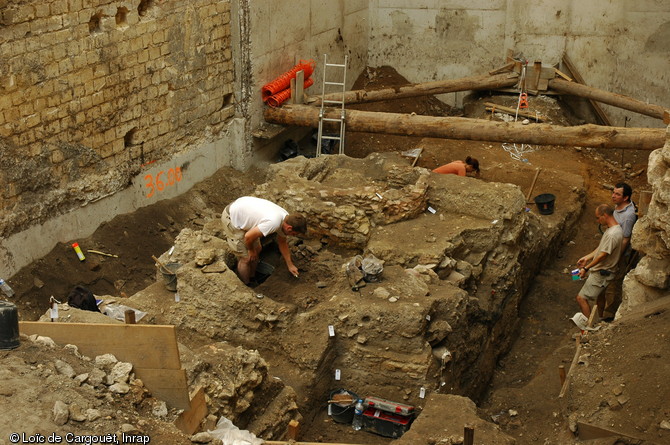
x: 277, y: 99
x: 284, y: 81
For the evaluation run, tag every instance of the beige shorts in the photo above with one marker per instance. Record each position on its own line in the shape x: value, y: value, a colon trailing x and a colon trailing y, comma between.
x: 234, y: 236
x: 595, y: 284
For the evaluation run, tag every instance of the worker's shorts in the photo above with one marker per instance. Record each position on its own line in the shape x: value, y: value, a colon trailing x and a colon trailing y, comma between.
x: 234, y: 236
x: 595, y: 284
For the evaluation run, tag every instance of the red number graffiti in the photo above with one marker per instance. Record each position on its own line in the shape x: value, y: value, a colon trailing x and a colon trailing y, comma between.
x: 173, y: 176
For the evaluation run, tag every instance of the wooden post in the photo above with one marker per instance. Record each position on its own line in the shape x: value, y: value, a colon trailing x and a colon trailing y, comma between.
x: 129, y: 315
x: 532, y: 185
x: 299, y: 88
x: 643, y: 205
x: 293, y: 430
x: 578, y: 350
x: 561, y: 374
x: 468, y: 435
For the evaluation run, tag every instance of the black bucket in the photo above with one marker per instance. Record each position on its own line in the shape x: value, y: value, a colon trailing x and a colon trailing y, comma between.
x: 9, y: 325
x: 545, y: 203
x: 342, y: 413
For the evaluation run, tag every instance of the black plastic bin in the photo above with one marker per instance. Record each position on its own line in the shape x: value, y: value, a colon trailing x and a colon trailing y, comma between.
x: 342, y: 413
x: 9, y: 325
x: 545, y: 203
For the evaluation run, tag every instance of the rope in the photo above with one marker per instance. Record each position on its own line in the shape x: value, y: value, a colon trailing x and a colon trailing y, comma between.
x: 515, y: 151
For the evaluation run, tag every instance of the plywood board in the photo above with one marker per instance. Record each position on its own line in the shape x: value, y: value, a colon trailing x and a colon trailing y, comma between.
x: 152, y: 350
x: 152, y: 346
x: 189, y: 421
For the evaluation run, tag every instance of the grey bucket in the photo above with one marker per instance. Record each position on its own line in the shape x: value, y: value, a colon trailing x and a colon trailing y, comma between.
x: 169, y: 275
x: 9, y: 325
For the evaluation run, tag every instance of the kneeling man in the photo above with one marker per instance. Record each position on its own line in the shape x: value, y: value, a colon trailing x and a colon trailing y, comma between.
x: 248, y: 219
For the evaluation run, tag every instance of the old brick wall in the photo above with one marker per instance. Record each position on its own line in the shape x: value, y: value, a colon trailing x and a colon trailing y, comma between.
x: 93, y: 90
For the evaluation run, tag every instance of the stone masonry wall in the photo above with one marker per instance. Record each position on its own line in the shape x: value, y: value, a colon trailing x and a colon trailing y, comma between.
x: 650, y: 279
x: 93, y: 90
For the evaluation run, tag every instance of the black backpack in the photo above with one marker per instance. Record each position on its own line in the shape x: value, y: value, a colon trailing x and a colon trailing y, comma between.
x: 82, y: 298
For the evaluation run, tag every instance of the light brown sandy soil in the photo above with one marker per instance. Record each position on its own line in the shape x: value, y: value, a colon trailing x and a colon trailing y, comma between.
x: 621, y: 385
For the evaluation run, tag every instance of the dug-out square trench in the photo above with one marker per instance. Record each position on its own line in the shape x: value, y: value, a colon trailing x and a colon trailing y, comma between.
x: 441, y: 315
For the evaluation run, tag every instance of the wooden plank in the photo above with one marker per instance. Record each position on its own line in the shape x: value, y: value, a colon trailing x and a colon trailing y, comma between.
x: 563, y: 75
x: 152, y: 350
x: 502, y: 69
x: 572, y: 69
x: 587, y: 431
x: 189, y: 421
x: 148, y: 346
x: 169, y: 385
x: 490, y: 106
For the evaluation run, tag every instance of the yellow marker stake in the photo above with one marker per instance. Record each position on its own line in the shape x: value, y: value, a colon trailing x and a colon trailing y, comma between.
x: 78, y: 251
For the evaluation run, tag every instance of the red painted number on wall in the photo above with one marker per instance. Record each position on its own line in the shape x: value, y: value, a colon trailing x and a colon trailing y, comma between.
x: 163, y: 179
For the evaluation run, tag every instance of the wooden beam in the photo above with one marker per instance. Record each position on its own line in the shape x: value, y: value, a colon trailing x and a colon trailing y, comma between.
x: 152, y: 349
x: 578, y: 78
x: 475, y: 129
x: 617, y: 100
x: 482, y: 82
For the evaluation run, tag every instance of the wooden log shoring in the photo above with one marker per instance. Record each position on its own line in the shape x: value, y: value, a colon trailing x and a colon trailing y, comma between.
x: 475, y: 129
x: 617, y: 100
x: 482, y: 82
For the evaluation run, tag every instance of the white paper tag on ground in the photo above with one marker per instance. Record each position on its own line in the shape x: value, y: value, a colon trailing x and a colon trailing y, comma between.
x: 54, y: 310
x: 428, y: 317
x: 422, y: 393
x: 331, y: 331
x: 337, y: 374
x: 432, y: 210
x: 330, y: 409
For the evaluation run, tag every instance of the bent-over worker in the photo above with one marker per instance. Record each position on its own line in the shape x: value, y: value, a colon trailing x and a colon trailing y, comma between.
x: 460, y: 168
x: 248, y: 219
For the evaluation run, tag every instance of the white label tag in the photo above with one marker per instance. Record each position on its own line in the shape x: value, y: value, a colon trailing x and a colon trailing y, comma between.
x: 54, y: 310
x: 337, y: 374
x: 422, y: 392
x: 428, y: 317
x: 331, y: 331
x: 432, y: 210
x: 330, y: 409
x: 176, y: 297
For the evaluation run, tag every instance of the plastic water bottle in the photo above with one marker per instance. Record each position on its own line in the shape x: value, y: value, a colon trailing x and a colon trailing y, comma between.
x: 6, y: 289
x: 358, y: 415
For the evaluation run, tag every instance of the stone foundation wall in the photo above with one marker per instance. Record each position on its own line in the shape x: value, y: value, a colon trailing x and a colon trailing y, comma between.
x: 651, y: 238
x: 93, y: 90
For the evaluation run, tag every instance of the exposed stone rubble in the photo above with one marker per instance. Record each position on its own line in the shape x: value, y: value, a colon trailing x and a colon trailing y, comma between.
x: 440, y: 315
x: 650, y: 279
x: 79, y: 394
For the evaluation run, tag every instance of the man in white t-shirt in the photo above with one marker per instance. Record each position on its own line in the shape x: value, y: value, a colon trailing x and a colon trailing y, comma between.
x: 248, y: 219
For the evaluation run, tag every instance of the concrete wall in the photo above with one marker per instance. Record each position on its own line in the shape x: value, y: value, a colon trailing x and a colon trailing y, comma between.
x: 282, y: 33
x: 619, y: 46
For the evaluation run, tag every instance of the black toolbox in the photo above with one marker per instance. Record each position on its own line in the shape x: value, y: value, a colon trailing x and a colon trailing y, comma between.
x: 386, y: 418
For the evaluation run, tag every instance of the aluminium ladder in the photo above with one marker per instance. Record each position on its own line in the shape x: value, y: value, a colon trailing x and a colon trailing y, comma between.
x: 341, y: 120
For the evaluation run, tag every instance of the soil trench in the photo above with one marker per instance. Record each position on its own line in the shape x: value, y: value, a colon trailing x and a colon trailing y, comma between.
x: 474, y: 299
